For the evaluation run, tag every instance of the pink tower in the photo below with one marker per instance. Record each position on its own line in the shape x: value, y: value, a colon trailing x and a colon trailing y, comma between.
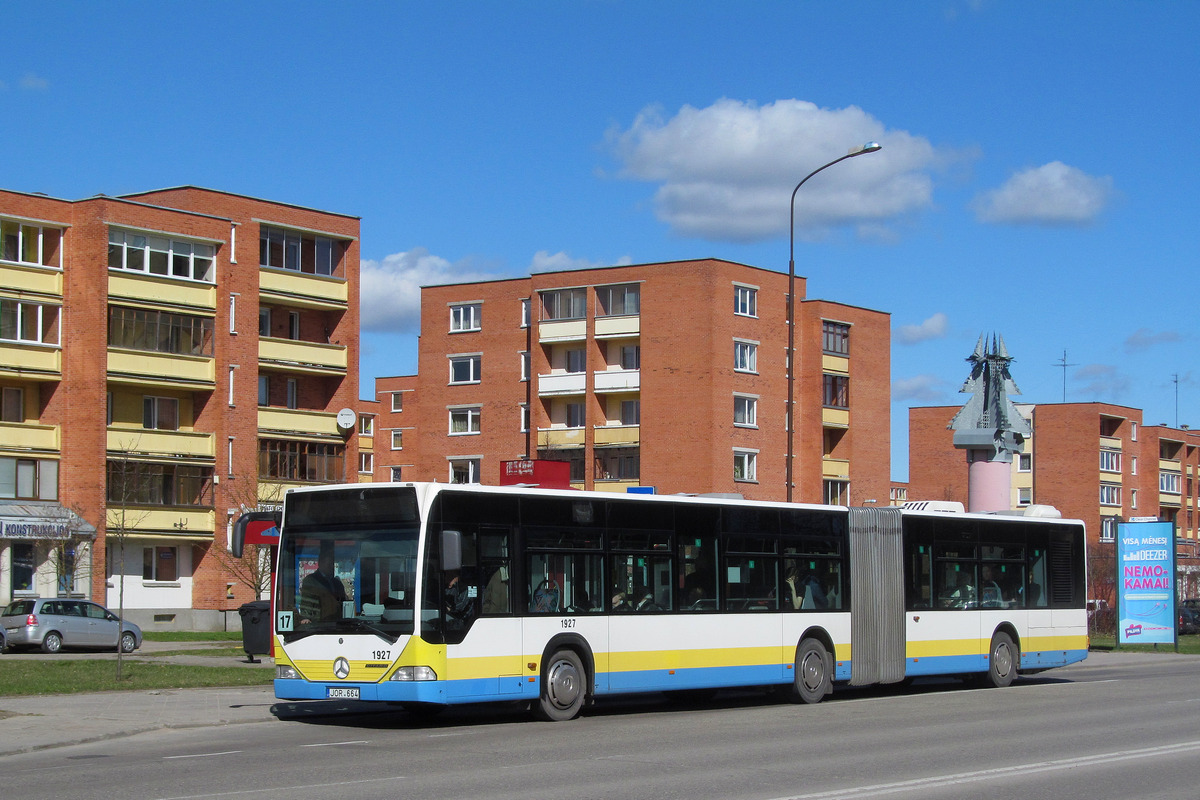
x: 989, y: 427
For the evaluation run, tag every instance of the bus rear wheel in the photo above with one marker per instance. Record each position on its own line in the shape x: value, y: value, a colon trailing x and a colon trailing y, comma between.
x: 564, y: 685
x: 812, y: 680
x: 1002, y: 661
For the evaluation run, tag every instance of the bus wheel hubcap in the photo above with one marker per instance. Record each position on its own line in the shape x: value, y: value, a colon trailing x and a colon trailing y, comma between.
x: 563, y: 684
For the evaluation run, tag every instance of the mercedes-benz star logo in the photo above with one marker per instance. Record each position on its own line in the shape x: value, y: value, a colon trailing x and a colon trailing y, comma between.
x: 341, y: 669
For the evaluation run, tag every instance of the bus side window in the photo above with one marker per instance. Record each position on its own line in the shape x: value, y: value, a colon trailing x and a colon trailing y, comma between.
x: 494, y: 561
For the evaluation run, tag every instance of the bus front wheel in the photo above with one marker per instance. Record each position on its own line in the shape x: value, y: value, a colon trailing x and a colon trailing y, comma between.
x: 1002, y: 661
x: 812, y: 679
x: 564, y: 685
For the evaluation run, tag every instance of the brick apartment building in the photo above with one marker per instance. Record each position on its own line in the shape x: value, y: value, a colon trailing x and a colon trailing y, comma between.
x: 668, y: 375
x: 167, y: 359
x: 1092, y: 461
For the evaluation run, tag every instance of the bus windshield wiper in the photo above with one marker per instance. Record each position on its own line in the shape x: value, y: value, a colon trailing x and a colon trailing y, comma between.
x: 358, y: 624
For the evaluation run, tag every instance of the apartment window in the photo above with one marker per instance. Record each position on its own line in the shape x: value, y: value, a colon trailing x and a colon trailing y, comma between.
x: 631, y: 357
x: 1133, y: 465
x: 395, y: 473
x: 745, y: 301
x: 618, y: 464
x: 293, y: 393
x: 160, y: 413
x: 159, y: 255
x: 466, y: 317
x: 564, y: 304
x: 576, y: 361
x: 26, y: 243
x: 1024, y: 462
x: 160, y: 564
x: 1169, y: 482
x: 1133, y: 499
x: 108, y: 403
x: 525, y: 363
x: 465, y: 369
x: 525, y: 304
x: 299, y: 252
x: 366, y: 463
x: 138, y: 483
x: 1110, y: 460
x: 22, y: 321
x: 366, y: 425
x: 1133, y: 426
x: 1024, y: 496
x: 397, y: 401
x: 836, y: 391
x: 836, y: 493
x: 745, y: 465
x: 160, y: 331
x: 575, y: 415
x: 524, y: 422
x: 623, y: 300
x: 745, y: 411
x: 28, y: 479
x: 397, y: 440
x: 264, y: 322
x: 631, y: 412
x: 294, y: 325
x: 464, y: 470
x: 233, y: 296
x: 1108, y: 529
x: 264, y: 390
x: 12, y: 409
x: 745, y: 356
x: 1110, y: 494
x: 314, y: 462
x: 835, y: 338
x: 465, y: 420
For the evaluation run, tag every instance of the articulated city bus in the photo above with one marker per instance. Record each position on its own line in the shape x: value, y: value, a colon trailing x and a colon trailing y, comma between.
x: 430, y: 595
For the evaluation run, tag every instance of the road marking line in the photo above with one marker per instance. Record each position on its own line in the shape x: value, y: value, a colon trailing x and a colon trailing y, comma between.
x: 335, y: 744
x: 203, y: 755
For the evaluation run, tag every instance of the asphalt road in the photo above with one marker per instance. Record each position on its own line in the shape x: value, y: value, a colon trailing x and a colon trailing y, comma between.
x: 1111, y: 728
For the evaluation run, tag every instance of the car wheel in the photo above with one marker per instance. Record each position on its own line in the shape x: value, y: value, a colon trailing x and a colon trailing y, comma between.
x: 52, y: 642
x: 128, y: 642
x: 563, y: 688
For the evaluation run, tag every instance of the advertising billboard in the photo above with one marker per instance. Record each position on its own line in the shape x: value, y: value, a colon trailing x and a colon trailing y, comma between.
x: 1146, y: 583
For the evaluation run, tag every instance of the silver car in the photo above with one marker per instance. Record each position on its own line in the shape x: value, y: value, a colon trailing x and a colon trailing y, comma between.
x: 55, y: 623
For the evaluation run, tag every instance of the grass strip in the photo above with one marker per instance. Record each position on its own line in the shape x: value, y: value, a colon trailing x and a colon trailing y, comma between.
x: 29, y: 677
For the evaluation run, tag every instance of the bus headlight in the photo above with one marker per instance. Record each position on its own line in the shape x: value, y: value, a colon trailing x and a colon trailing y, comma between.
x: 286, y: 672
x: 414, y: 674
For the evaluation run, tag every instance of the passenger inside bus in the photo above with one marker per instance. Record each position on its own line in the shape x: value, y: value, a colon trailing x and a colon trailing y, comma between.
x: 322, y: 592
x: 495, y: 594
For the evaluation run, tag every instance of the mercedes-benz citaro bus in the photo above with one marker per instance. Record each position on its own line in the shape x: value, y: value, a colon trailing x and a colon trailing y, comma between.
x: 430, y: 595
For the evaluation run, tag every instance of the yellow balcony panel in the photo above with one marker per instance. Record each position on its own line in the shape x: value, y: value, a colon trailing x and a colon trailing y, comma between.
x: 620, y: 486
x: 562, y: 330
x: 46, y: 281
x: 835, y: 417
x: 149, y: 369
x: 560, y: 438
x: 617, y: 435
x: 161, y: 291
x: 1171, y: 500
x: 296, y: 356
x: 1170, y: 465
x: 271, y: 492
x: 302, y: 289
x: 613, y: 327
x: 153, y: 442
x: 835, y: 364
x: 835, y: 468
x: 1110, y: 443
x: 137, y: 519
x: 319, y: 424
x: 29, y: 436
x: 31, y: 362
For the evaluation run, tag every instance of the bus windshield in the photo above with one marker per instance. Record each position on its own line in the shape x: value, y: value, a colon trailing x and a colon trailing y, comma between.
x: 338, y: 576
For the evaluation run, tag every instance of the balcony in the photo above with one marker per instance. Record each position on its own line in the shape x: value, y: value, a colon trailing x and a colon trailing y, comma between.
x: 615, y: 327
x: 620, y: 486
x: 560, y: 438
x: 562, y: 383
x: 837, y: 364
x: 566, y: 330
x: 301, y: 289
x: 188, y: 444
x: 835, y: 417
x: 835, y: 468
x: 618, y: 380
x: 185, y: 521
x: 143, y: 368
x: 292, y: 422
x: 289, y: 355
x: 617, y: 435
x: 29, y: 436
x: 30, y: 362
x: 36, y: 280
x: 161, y: 291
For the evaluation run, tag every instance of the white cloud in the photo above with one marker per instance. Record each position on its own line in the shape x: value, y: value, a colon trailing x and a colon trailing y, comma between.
x: 34, y: 82
x: 390, y: 290
x: 544, y: 261
x: 1100, y: 382
x: 920, y: 389
x: 1144, y: 339
x: 933, y: 328
x: 727, y: 171
x: 1052, y: 194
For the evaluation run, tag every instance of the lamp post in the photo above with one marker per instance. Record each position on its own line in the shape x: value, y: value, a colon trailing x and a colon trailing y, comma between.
x: 869, y: 147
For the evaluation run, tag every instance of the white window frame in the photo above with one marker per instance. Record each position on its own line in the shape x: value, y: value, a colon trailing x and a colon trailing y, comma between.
x: 1024, y: 495
x: 472, y: 464
x: 23, y: 311
x: 745, y: 300
x: 24, y: 229
x: 747, y: 462
x: 366, y: 425
x: 466, y: 317
x: 470, y: 415
x: 197, y: 257
x: 395, y: 474
x: 366, y: 463
x: 397, y: 402
x: 1110, y: 460
x: 749, y: 402
x: 1024, y: 462
x: 1169, y: 483
x: 1110, y: 494
x: 745, y: 356
x: 397, y: 440
x: 473, y: 363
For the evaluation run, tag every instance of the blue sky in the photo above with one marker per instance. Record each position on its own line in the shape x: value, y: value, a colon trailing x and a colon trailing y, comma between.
x: 1036, y: 179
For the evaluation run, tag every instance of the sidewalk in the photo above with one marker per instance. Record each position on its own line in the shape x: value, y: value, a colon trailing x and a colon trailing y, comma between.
x: 36, y: 723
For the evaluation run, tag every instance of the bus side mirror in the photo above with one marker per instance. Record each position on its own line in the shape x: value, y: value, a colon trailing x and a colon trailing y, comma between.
x: 255, y: 527
x: 451, y: 550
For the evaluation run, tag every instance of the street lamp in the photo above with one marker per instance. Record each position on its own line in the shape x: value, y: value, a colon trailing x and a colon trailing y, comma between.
x: 869, y: 147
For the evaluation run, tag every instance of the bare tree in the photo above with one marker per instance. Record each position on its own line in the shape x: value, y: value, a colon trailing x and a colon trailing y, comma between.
x: 253, y: 568
x: 126, y: 485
